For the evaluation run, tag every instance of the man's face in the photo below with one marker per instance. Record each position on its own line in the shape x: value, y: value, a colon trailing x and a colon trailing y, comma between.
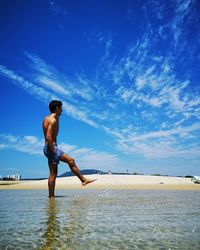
x: 59, y: 110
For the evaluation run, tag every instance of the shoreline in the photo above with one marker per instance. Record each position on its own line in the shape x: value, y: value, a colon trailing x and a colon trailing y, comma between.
x: 126, y: 182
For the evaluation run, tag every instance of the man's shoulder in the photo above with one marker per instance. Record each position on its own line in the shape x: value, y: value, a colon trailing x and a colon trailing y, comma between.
x: 50, y: 119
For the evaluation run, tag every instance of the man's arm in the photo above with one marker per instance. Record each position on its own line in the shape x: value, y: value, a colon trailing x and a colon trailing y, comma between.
x: 49, y: 133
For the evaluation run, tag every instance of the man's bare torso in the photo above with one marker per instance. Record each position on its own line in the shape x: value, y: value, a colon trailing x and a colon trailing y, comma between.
x: 50, y: 129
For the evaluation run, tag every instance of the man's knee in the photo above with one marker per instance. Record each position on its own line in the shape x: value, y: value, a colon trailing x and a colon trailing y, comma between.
x: 53, y: 175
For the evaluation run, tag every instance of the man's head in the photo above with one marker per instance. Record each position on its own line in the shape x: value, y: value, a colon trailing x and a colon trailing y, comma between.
x: 55, y: 106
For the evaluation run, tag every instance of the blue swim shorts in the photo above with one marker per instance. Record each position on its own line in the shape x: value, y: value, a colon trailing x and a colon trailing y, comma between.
x: 53, y: 156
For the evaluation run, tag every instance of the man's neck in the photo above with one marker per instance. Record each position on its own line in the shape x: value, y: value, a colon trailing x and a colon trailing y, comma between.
x: 54, y: 115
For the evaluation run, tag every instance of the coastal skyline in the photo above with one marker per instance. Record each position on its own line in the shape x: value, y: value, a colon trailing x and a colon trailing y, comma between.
x: 128, y: 76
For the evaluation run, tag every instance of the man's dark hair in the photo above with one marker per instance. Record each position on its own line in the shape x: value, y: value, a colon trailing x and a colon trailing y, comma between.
x: 53, y: 105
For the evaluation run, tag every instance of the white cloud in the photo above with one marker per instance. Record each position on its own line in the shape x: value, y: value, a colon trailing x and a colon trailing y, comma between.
x: 31, y: 139
x: 28, y: 144
x: 53, y: 85
x: 31, y: 88
x: 78, y: 114
x: 85, y: 157
x: 56, y: 9
x: 165, y: 133
x: 9, y: 138
x: 160, y: 144
x: 2, y: 146
x: 90, y: 158
x: 140, y: 83
x: 46, y: 96
x: 47, y: 76
x: 138, y: 98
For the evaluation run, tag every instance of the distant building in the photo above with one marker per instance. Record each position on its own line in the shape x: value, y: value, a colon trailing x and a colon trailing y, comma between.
x: 17, y: 177
x: 12, y: 177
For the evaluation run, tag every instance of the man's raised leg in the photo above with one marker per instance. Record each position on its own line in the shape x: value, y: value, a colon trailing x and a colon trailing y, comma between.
x: 53, y: 168
x: 67, y: 159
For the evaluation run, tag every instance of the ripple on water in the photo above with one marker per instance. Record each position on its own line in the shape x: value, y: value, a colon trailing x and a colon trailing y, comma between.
x: 100, y: 219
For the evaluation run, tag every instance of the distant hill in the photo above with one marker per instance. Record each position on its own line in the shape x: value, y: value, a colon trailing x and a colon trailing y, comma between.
x: 84, y: 172
x: 90, y: 171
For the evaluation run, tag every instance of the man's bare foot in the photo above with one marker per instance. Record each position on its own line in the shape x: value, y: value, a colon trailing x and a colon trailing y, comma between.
x: 88, y: 181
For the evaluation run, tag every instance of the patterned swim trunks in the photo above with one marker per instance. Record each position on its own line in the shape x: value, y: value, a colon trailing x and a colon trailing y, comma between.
x: 53, y: 156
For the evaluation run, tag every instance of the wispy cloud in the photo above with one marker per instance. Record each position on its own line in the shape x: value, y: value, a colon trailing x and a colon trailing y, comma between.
x: 140, y: 98
x: 153, y: 92
x: 177, y: 142
x: 56, y: 9
x: 85, y: 157
x: 31, y: 88
x: 49, y: 77
x: 26, y: 144
x: 49, y: 89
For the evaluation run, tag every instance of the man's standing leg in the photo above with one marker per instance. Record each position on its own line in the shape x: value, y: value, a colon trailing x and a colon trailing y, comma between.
x: 53, y: 168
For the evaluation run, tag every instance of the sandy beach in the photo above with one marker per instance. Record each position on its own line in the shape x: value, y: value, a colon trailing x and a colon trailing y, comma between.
x: 135, y: 182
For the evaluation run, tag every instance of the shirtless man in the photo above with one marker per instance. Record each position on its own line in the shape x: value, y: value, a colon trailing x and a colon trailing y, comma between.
x: 50, y: 128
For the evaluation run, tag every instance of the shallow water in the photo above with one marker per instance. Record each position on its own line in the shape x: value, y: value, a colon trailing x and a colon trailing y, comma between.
x: 100, y: 219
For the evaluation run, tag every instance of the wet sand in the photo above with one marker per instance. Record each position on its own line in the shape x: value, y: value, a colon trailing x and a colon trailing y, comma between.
x: 135, y: 182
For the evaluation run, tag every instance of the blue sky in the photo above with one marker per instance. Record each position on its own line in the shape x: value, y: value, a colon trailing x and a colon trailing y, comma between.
x: 127, y: 73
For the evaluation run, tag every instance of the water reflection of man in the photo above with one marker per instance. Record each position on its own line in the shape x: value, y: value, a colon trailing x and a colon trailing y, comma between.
x: 51, y: 235
x: 58, y: 233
